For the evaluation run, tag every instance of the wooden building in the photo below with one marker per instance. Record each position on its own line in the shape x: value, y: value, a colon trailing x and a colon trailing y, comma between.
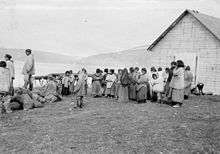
x: 194, y: 38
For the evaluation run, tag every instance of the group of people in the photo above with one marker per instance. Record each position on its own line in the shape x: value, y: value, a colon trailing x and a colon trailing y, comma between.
x: 7, y: 72
x: 25, y: 97
x: 171, y: 85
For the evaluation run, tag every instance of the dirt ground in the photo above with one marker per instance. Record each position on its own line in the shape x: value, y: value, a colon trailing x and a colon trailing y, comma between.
x: 106, y: 126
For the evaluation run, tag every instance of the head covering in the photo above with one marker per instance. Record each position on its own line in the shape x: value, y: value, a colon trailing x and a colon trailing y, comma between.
x: 125, y: 78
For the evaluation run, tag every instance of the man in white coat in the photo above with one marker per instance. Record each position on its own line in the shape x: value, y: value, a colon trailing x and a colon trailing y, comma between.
x: 28, y: 70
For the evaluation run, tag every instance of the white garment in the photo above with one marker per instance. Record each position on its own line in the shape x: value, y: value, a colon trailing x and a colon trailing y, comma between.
x: 66, y: 81
x: 29, y: 66
x: 110, y: 79
x: 4, y: 79
x: 160, y: 73
x: 158, y: 84
x: 10, y: 66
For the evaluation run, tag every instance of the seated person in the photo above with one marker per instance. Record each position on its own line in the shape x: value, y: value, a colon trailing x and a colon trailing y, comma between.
x: 23, y: 99
x: 48, y: 93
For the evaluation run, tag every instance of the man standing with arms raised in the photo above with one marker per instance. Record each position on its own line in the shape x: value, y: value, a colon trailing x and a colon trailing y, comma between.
x: 28, y: 70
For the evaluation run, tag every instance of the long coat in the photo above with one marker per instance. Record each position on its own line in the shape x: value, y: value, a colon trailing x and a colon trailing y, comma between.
x: 29, y: 66
x: 177, y: 81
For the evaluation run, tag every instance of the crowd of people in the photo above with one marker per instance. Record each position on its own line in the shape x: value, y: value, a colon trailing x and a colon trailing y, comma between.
x: 170, y: 85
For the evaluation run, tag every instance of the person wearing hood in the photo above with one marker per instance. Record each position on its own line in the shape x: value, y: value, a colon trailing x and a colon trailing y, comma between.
x: 11, y: 68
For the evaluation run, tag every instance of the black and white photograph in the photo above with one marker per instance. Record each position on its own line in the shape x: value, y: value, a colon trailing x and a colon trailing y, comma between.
x: 109, y: 76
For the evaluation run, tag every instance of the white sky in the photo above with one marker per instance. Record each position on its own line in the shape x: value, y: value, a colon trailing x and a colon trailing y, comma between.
x: 88, y: 27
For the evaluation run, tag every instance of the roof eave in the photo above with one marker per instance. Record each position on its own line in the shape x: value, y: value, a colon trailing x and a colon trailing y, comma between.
x: 167, y: 30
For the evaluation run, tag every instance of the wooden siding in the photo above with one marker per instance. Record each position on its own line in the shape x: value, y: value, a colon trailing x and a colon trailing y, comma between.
x: 189, y: 36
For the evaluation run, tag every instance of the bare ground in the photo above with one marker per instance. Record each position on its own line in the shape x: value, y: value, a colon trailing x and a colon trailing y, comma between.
x: 105, y: 126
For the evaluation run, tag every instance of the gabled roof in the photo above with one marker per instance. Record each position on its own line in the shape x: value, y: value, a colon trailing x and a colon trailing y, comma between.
x: 212, y: 24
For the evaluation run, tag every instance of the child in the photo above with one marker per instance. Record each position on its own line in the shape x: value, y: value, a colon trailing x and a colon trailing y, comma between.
x: 78, y: 92
x: 158, y: 87
x: 66, y: 84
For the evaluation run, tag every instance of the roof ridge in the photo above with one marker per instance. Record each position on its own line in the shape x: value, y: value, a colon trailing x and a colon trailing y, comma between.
x: 201, y: 18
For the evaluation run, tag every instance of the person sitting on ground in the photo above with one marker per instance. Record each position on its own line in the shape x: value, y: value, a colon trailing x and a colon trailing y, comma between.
x: 48, y: 93
x: 66, y: 84
x: 43, y: 81
x: 110, y: 86
x: 22, y: 99
x: 158, y: 87
x: 200, y: 87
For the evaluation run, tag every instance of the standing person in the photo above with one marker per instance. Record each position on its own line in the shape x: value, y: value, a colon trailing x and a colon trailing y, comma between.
x: 104, y: 81
x: 188, y: 79
x: 96, y: 83
x: 80, y: 88
x: 160, y: 71
x: 165, y: 76
x: 110, y: 86
x: 4, y: 77
x: 10, y: 66
x: 71, y: 78
x: 84, y: 77
x: 123, y: 88
x: 66, y: 84
x: 170, y: 75
x: 158, y: 86
x: 132, y: 87
x: 177, y: 85
x: 28, y: 69
x: 118, y: 82
x: 136, y: 73
x: 142, y: 86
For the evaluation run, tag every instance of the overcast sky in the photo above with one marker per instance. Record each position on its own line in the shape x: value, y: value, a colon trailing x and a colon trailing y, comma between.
x: 88, y: 27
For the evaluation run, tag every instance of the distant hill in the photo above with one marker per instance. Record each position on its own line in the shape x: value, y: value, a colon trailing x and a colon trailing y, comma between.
x: 132, y: 57
x: 40, y: 56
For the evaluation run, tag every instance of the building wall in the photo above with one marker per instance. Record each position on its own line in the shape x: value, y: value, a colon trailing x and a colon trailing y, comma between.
x: 190, y: 37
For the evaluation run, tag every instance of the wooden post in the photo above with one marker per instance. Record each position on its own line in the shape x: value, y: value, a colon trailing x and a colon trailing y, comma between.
x: 196, y: 68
